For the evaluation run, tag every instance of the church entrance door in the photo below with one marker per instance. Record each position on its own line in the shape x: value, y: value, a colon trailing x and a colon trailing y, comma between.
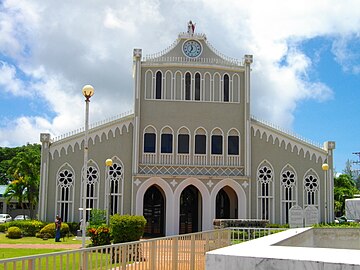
x: 190, y: 210
x: 154, y: 212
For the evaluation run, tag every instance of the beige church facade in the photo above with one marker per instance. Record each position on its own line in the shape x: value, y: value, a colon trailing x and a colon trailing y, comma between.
x: 189, y: 153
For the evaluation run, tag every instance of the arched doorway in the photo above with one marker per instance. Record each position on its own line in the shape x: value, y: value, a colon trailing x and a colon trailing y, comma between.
x: 190, y: 210
x: 226, y: 204
x: 154, y: 212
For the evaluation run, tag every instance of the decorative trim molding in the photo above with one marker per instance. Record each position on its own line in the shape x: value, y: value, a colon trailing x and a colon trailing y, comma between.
x: 191, y: 171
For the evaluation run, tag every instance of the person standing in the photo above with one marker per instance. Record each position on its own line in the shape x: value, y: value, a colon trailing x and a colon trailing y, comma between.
x: 57, y: 228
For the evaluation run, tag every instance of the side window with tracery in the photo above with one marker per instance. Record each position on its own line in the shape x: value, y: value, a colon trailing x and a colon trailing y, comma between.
x: 265, y: 192
x: 92, y: 190
x: 65, y: 193
x: 288, y: 193
x: 116, y: 178
x: 311, y: 190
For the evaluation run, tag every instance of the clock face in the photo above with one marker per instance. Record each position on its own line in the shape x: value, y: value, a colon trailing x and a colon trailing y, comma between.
x: 192, y: 48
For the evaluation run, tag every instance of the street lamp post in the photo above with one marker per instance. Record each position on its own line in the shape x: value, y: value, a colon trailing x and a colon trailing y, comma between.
x: 88, y: 92
x: 325, y: 168
x: 108, y: 164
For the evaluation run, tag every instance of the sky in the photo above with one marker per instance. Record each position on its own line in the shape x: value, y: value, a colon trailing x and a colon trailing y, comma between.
x: 305, y: 76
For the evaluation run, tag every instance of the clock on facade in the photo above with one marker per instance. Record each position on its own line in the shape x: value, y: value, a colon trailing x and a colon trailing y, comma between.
x: 192, y: 48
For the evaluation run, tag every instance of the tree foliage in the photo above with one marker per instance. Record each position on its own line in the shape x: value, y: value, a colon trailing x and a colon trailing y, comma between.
x: 344, y: 188
x: 23, y: 170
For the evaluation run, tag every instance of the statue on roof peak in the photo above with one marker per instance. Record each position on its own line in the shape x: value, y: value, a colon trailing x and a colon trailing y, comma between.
x: 191, y: 28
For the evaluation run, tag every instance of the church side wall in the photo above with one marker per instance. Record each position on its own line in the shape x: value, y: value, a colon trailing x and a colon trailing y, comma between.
x: 117, y: 145
x: 289, y: 167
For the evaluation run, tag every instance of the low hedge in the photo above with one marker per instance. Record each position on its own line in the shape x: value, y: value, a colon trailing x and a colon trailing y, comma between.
x: 126, y: 228
x: 27, y: 227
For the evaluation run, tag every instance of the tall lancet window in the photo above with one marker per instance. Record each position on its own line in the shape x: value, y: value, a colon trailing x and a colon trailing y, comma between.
x: 197, y: 86
x: 288, y: 193
x: 187, y: 86
x: 158, y: 85
x: 65, y: 193
x: 116, y: 178
x: 265, y: 192
x: 226, y: 88
x: 311, y: 190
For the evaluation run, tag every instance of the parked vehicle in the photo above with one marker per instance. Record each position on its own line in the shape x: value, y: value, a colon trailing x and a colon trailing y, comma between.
x: 5, y: 218
x: 22, y: 217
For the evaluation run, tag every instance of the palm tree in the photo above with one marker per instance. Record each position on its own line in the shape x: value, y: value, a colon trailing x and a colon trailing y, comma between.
x: 16, y: 190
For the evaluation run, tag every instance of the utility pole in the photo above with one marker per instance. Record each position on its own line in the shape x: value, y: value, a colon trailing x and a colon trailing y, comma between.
x: 357, y: 162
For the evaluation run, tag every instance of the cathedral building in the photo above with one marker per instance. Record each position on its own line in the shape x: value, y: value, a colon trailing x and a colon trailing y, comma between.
x: 189, y: 153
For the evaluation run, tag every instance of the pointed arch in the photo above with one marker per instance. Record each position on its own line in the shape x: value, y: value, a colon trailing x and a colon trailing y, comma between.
x: 115, y: 181
x: 65, y: 192
x: 265, y: 191
x: 239, y: 191
x: 169, y: 205
x: 288, y: 191
x: 205, y: 202
x: 311, y: 188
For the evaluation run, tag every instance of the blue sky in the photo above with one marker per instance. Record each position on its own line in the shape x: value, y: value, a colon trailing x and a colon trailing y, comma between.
x: 305, y: 76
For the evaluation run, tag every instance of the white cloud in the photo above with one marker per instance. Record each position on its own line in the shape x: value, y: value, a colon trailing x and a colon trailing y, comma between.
x: 52, y: 50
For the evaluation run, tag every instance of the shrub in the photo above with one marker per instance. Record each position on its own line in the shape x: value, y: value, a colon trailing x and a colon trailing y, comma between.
x: 126, y: 228
x: 97, y: 217
x: 3, y: 227
x: 13, y: 233
x: 49, y: 231
x: 28, y: 227
x: 73, y: 227
x: 99, y: 235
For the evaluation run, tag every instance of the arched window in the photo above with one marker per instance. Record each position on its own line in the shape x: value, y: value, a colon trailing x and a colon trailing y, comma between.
x: 116, y: 184
x: 265, y: 191
x: 149, y: 142
x: 158, y: 85
x: 311, y: 190
x: 92, y: 188
x: 226, y: 88
x: 65, y: 193
x: 200, y: 144
x: 197, y: 86
x: 187, y: 86
x: 288, y: 192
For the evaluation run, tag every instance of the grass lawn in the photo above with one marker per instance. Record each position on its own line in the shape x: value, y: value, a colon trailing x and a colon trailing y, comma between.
x: 34, y: 240
x: 6, y: 253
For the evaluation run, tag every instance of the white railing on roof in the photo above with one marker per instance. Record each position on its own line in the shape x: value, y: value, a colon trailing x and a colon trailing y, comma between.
x: 288, y: 132
x: 163, y: 52
x: 199, y: 60
x: 92, y: 125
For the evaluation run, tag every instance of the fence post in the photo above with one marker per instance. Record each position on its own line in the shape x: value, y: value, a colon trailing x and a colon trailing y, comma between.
x: 175, y: 250
x: 192, y: 252
x: 84, y: 260
x: 153, y: 253
x: 31, y: 264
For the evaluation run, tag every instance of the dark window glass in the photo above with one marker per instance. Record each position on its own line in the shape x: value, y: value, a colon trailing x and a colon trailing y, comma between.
x: 200, y: 144
x: 183, y: 144
x: 166, y: 143
x: 233, y: 145
x: 197, y: 86
x: 216, y: 144
x: 149, y: 142
x: 226, y: 88
x: 158, y: 85
x: 187, y: 86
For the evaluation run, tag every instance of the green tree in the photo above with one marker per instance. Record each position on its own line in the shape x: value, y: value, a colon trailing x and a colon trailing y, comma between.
x: 344, y: 188
x: 16, y: 190
x: 26, y: 164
